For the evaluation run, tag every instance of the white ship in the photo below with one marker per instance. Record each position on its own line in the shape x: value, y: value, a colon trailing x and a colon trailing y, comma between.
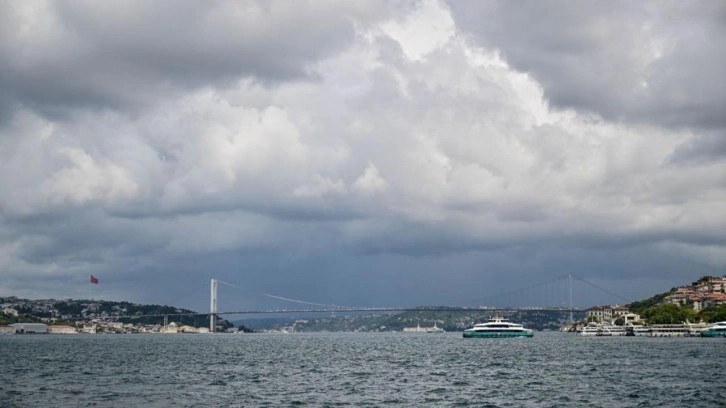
x: 602, y: 329
x: 498, y: 327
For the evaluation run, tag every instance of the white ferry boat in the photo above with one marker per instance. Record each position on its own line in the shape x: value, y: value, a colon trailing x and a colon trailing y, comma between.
x: 498, y: 327
x: 715, y: 330
x: 669, y: 330
x: 612, y: 330
x: 602, y: 329
x: 637, y: 330
x: 591, y: 329
x: 695, y: 329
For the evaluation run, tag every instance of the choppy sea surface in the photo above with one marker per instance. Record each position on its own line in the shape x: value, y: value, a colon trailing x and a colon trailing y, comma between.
x: 360, y: 369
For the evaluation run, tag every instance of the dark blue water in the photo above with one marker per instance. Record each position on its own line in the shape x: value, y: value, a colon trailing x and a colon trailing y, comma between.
x: 350, y: 369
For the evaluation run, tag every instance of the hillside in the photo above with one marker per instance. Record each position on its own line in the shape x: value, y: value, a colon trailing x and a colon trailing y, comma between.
x: 450, y: 319
x: 640, y: 305
x: 13, y: 309
x: 704, y: 299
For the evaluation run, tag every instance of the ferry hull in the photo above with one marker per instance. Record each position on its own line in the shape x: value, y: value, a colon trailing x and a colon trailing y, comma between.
x: 496, y: 335
x: 712, y: 333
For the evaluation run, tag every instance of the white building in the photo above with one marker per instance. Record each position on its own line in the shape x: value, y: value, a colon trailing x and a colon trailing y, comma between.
x: 10, y: 311
x: 7, y: 330
x: 88, y: 328
x: 170, y: 328
x: 30, y: 328
x: 606, y: 313
x: 62, y: 329
x: 631, y: 318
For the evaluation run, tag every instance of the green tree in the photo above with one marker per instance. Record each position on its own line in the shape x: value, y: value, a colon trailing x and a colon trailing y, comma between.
x: 713, y: 314
x: 640, y: 306
x: 668, y: 314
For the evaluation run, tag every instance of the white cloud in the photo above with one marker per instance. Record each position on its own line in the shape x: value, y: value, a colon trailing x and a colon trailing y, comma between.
x: 370, y: 182
x: 427, y: 28
x: 87, y: 180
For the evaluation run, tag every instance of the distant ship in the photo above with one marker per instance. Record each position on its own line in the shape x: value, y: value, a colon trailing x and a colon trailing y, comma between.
x: 419, y: 329
x: 498, y: 327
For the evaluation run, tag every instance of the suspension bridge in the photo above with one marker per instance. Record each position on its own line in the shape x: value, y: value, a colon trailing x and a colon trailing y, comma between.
x: 556, y: 294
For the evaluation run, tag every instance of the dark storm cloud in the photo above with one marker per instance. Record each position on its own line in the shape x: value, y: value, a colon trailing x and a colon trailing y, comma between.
x: 706, y: 147
x: 338, y: 152
x: 652, y: 62
x: 59, y: 55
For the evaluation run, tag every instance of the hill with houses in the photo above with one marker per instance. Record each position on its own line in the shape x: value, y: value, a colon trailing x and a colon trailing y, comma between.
x: 704, y: 300
x: 93, y: 316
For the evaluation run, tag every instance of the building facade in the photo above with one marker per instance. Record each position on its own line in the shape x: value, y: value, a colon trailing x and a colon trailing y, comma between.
x: 62, y: 329
x: 606, y: 313
x: 30, y: 328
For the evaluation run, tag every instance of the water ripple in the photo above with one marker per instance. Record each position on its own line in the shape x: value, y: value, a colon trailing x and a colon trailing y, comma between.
x: 352, y: 370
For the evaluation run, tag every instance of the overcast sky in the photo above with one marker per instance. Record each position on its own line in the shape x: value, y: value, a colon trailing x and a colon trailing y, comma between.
x: 359, y: 153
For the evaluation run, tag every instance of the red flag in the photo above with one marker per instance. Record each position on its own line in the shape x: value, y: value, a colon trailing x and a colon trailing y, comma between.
x: 94, y: 280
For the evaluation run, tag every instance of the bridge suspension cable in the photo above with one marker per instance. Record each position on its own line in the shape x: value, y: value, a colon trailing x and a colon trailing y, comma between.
x: 600, y: 288
x: 306, y: 303
x: 502, y: 295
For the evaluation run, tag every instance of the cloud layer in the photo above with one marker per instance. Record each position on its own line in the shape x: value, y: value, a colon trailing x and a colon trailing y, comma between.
x: 358, y: 153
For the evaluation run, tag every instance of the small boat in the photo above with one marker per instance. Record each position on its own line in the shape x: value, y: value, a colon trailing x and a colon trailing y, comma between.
x: 715, y: 330
x: 498, y: 327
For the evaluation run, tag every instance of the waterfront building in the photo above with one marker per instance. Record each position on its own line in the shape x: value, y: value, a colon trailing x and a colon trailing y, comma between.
x: 88, y: 329
x: 595, y: 313
x: 630, y: 318
x: 618, y: 311
x: 62, y: 329
x: 606, y: 313
x: 169, y: 328
x: 7, y: 330
x: 30, y: 328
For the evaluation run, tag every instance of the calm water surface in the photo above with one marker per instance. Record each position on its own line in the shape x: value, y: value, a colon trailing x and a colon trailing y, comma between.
x: 351, y: 369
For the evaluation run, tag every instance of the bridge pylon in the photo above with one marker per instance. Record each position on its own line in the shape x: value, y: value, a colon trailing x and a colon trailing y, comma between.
x: 213, y: 305
x: 569, y: 287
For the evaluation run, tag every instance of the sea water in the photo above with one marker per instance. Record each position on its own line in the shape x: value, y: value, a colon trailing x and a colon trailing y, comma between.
x: 359, y: 369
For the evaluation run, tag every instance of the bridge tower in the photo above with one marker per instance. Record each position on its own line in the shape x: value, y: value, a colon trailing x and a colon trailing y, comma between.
x: 213, y: 305
x: 569, y: 286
